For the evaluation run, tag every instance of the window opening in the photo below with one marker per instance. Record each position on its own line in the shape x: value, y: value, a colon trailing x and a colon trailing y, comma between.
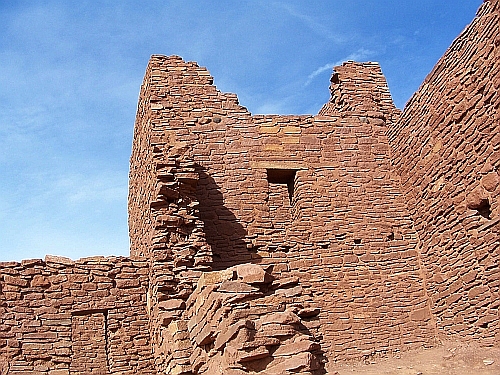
x: 284, y: 177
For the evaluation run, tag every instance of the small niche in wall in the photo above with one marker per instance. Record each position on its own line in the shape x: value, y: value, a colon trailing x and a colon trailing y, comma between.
x: 283, y: 177
x: 484, y: 208
x: 483, y: 325
x: 357, y: 241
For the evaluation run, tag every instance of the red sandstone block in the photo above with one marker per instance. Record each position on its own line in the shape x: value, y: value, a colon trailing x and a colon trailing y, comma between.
x: 227, y: 334
x: 32, y: 262
x: 252, y: 273
x: 17, y: 281
x: 300, y: 344
x: 476, y: 291
x: 286, y: 317
x: 5, y: 265
x: 236, y: 287
x: 40, y: 336
x: 290, y: 292
x: 301, y: 362
x: 260, y: 352
x: 40, y: 281
x: 422, y: 314
x: 275, y: 330
x: 263, y: 341
x: 52, y: 261
x: 127, y: 283
x: 172, y: 304
x: 31, y: 347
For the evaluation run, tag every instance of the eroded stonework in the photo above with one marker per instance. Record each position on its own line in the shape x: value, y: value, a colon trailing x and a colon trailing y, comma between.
x: 282, y: 244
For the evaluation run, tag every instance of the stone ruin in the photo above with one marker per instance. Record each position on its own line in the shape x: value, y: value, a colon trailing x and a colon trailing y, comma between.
x: 283, y: 244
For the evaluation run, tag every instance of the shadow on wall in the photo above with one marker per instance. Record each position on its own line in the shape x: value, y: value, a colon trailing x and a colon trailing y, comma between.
x: 223, y: 231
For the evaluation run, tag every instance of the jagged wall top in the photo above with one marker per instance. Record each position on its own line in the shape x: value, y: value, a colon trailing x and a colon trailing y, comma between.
x: 360, y: 88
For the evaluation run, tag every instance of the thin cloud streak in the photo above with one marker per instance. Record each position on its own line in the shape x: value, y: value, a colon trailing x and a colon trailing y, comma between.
x: 361, y: 54
x: 311, y: 23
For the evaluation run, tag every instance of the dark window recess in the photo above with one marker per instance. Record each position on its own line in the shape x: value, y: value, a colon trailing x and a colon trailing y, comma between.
x: 390, y: 237
x: 484, y: 208
x: 357, y: 241
x: 89, y: 312
x: 284, y: 177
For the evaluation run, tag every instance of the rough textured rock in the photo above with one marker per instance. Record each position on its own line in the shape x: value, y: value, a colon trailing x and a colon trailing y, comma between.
x: 446, y: 148
x: 281, y: 244
x: 242, y: 329
x: 59, y: 316
x: 310, y: 198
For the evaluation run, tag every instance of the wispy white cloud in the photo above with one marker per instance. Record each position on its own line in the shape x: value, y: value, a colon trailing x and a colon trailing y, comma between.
x: 360, y: 54
x: 77, y: 189
x: 311, y: 23
x: 318, y: 71
x: 274, y: 107
x: 69, y: 214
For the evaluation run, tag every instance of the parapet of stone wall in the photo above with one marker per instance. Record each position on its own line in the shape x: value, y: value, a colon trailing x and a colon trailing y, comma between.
x: 446, y: 148
x: 165, y: 228
x: 62, y: 317
x: 360, y: 88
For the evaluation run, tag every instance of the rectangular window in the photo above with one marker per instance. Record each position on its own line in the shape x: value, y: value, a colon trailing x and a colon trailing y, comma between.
x: 284, y: 177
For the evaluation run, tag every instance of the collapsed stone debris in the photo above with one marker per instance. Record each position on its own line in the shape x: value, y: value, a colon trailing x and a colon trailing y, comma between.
x: 282, y: 244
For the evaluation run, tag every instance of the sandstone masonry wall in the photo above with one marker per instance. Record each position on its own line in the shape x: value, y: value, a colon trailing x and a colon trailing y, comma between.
x: 273, y: 244
x: 74, y: 317
x: 313, y: 197
x: 164, y: 225
x: 446, y: 148
x: 242, y: 321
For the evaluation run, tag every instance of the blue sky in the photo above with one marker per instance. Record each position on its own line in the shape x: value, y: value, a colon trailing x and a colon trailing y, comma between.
x: 70, y: 73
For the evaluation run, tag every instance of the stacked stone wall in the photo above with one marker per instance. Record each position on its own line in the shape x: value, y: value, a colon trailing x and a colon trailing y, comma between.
x: 313, y: 197
x: 142, y: 180
x: 446, y: 148
x: 281, y: 244
x: 74, y: 317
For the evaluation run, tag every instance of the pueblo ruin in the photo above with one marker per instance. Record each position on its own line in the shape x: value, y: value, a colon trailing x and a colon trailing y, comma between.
x: 282, y: 244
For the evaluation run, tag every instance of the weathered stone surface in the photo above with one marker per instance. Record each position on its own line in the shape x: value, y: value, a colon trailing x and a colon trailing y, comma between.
x: 252, y: 274
x: 299, y: 346
x: 301, y: 362
x: 445, y: 149
x: 358, y: 230
x: 490, y: 181
x: 236, y: 287
x: 73, y: 318
x: 172, y: 304
x: 286, y: 317
x: 244, y: 336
